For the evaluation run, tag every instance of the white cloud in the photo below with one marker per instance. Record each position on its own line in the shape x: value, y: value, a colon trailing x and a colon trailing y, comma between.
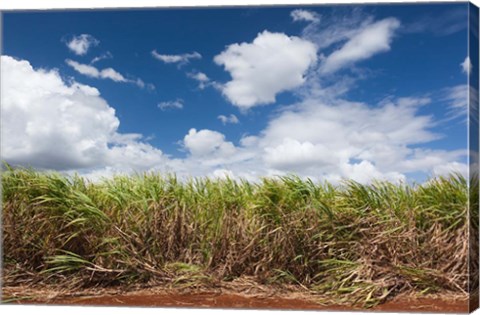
x: 141, y: 84
x: 49, y: 124
x: 456, y: 98
x: 292, y: 154
x: 80, y: 44
x: 336, y: 28
x: 207, y: 143
x: 249, y: 141
x: 353, y: 123
x: 272, y: 63
x: 176, y: 104
x: 365, y: 172
x: 104, y: 56
x: 232, y: 119
x: 178, y: 59
x: 199, y: 76
x: 92, y: 72
x: 372, y: 39
x: 304, y: 15
x: 351, y: 140
x: 331, y: 140
x: 111, y: 74
x: 321, y: 137
x: 202, y: 79
x: 431, y: 160
x: 107, y: 73
x: 449, y: 168
x: 466, y: 65
x: 443, y: 23
x: 223, y: 174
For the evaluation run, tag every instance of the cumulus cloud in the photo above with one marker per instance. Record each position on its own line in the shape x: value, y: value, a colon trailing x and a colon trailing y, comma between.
x: 371, y: 40
x: 292, y: 154
x: 343, y: 138
x: 366, y: 172
x: 330, y: 140
x: 207, y: 142
x: 304, y: 15
x: 272, y: 63
x: 181, y: 59
x: 53, y: 125
x: 323, y: 136
x: 80, y: 44
x: 232, y: 119
x: 449, y: 168
x: 466, y: 65
x: 49, y: 124
x: 176, y: 104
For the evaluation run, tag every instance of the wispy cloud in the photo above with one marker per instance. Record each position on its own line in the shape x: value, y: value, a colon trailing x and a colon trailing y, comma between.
x: 107, y: 73
x: 372, y: 39
x: 203, y: 80
x: 447, y: 23
x: 337, y: 27
x: 139, y: 82
x: 304, y: 15
x: 176, y: 104
x: 322, y: 135
x: 80, y: 44
x: 316, y: 138
x: 456, y: 98
x: 199, y: 76
x: 103, y: 56
x: 181, y: 59
x: 466, y: 65
x: 92, y: 72
x: 231, y: 119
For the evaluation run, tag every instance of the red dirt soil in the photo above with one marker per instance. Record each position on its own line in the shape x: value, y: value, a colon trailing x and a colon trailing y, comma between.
x: 223, y: 300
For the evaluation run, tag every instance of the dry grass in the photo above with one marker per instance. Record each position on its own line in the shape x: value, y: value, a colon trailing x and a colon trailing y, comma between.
x: 353, y: 244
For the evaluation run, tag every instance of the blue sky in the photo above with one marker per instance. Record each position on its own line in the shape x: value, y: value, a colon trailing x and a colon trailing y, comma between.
x: 327, y: 92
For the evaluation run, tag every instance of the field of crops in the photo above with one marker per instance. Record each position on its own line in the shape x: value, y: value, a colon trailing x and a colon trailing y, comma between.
x: 350, y: 243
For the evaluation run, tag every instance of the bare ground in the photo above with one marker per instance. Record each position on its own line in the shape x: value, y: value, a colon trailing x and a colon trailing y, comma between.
x: 228, y: 296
